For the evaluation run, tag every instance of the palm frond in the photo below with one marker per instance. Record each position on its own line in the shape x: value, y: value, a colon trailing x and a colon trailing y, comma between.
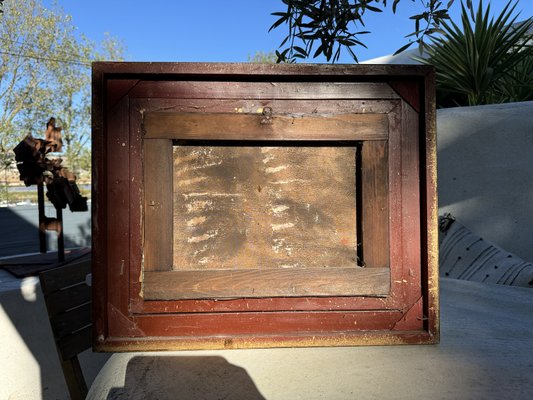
x: 485, y: 59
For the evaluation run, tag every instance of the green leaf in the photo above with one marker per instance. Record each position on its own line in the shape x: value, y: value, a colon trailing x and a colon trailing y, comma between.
x: 278, y: 23
x: 318, y: 51
x: 394, y: 4
x: 301, y: 51
x: 373, y: 9
x: 403, y: 48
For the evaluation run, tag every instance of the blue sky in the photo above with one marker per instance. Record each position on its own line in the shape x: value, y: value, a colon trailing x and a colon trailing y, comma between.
x: 223, y: 30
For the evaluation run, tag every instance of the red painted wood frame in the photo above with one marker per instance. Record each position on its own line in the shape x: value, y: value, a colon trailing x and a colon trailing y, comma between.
x: 127, y: 95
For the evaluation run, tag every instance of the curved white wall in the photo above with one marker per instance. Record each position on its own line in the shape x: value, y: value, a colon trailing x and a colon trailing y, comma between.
x: 485, y: 172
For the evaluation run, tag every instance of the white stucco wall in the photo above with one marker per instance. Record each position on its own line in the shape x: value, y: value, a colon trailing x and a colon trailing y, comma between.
x: 485, y: 172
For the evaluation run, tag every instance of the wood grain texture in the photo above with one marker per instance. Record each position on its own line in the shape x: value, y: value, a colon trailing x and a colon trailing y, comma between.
x: 411, y: 198
x: 256, y: 71
x: 264, y: 207
x: 254, y: 324
x: 158, y: 198
x: 99, y: 104
x: 376, y: 337
x: 409, y: 90
x: 375, y: 204
x: 115, y: 226
x: 429, y: 216
x: 144, y: 106
x: 267, y: 304
x: 240, y: 126
x: 265, y: 90
x: 221, y: 284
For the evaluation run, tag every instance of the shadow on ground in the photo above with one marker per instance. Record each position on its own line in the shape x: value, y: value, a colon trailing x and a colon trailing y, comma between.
x: 170, y: 377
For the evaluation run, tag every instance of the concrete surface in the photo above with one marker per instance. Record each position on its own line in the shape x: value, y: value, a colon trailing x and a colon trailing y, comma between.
x: 485, y: 172
x: 485, y: 353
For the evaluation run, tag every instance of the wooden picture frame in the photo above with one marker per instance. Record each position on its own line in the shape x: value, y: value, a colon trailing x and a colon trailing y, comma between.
x: 358, y: 151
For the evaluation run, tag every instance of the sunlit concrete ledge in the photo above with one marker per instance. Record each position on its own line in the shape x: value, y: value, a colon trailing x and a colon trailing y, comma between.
x: 485, y: 353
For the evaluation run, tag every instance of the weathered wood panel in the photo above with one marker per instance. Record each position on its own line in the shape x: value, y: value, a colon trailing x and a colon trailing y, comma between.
x: 158, y: 230
x: 267, y: 125
x: 171, y: 71
x: 309, y: 107
x: 271, y: 327
x: 264, y: 207
x: 411, y: 233
x: 220, y: 284
x: 264, y: 90
x: 115, y: 222
x: 267, y: 304
x: 375, y: 204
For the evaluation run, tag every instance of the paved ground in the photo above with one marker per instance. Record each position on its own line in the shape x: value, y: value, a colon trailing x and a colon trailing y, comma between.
x: 20, y: 235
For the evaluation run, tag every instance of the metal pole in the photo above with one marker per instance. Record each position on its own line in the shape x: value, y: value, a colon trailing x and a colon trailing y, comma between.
x: 60, y: 239
x: 42, y: 218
